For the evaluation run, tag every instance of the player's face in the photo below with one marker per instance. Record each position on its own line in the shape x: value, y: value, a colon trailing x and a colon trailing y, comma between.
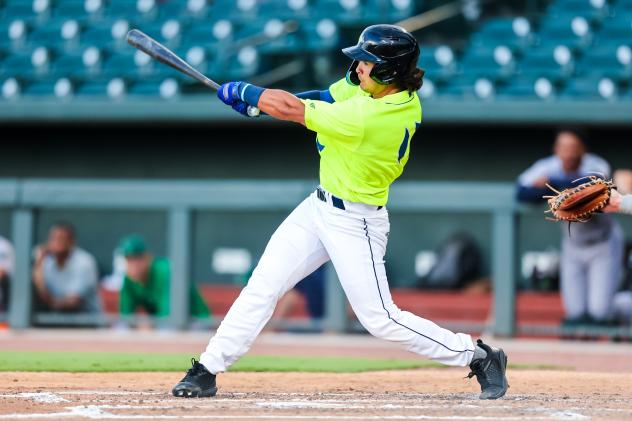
x: 570, y: 150
x: 136, y: 267
x: 366, y: 83
x: 60, y: 241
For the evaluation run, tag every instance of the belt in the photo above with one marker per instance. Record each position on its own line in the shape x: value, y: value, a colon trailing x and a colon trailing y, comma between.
x: 335, y: 201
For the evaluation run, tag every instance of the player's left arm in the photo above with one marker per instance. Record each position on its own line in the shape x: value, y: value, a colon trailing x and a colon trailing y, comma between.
x: 282, y: 105
x: 274, y: 102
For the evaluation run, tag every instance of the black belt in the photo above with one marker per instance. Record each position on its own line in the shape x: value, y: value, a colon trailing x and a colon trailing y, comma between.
x: 336, y: 201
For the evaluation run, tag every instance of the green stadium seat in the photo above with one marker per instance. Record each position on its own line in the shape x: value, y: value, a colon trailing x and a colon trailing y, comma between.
x: 592, y: 88
x: 13, y: 34
x: 60, y: 88
x: 29, y: 64
x: 97, y: 34
x: 14, y: 9
x: 210, y: 34
x: 438, y: 61
x: 572, y: 31
x: 46, y: 88
x: 321, y: 35
x: 613, y: 61
x: 160, y: 88
x: 513, y: 32
x: 593, y: 10
x: 617, y: 30
x: 470, y: 88
x: 69, y: 9
x: 552, y: 62
x: 349, y: 13
x: 527, y: 88
x: 495, y: 63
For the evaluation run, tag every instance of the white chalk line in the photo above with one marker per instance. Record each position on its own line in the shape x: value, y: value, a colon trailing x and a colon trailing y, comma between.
x: 92, y: 412
x: 40, y: 397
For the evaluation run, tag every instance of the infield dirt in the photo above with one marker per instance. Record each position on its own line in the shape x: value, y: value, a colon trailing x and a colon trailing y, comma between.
x: 412, y: 394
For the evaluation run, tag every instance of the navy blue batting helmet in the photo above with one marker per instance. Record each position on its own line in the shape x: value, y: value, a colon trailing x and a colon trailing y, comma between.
x: 390, y: 47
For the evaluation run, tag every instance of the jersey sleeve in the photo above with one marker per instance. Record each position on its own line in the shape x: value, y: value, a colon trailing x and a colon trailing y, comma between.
x: 342, y: 121
x: 342, y: 90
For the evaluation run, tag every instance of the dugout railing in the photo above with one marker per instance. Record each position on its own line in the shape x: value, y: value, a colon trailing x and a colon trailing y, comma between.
x: 179, y: 199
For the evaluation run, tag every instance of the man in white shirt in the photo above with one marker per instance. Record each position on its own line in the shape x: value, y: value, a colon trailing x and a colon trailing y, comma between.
x: 65, y: 276
x: 7, y: 264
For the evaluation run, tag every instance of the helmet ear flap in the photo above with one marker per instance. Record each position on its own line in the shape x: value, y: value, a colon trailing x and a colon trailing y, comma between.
x: 352, y: 76
x: 383, y: 73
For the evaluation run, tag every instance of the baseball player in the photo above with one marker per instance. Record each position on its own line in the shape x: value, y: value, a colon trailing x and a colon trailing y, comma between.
x: 363, y: 127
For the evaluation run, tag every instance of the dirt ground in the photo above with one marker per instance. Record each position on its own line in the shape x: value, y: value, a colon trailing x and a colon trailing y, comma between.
x: 592, y: 381
x: 439, y: 394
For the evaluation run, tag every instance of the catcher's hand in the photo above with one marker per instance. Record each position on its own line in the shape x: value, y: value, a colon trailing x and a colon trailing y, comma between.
x: 578, y: 204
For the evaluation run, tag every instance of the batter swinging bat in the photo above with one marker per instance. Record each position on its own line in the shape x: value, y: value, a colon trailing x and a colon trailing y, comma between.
x: 159, y: 52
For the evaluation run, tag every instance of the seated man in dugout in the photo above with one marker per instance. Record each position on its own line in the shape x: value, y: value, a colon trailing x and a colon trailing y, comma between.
x: 147, y: 283
x: 64, y: 275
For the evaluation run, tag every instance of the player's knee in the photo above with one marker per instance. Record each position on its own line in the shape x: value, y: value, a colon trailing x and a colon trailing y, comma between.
x: 381, y: 324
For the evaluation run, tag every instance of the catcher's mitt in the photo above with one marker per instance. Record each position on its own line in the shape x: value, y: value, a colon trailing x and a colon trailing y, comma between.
x: 578, y: 204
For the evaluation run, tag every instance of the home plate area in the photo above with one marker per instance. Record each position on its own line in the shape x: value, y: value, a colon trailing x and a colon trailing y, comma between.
x: 122, y: 404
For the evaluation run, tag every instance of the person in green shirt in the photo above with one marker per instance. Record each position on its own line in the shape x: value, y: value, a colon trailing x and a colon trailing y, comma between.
x: 147, y: 281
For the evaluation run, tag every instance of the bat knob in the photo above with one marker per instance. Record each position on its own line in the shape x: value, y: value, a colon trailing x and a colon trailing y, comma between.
x: 253, y: 111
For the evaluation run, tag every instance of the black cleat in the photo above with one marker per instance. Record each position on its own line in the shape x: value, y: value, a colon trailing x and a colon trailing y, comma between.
x: 198, y: 383
x: 490, y: 372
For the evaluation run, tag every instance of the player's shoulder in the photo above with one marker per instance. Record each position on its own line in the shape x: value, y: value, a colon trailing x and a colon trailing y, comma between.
x: 83, y: 257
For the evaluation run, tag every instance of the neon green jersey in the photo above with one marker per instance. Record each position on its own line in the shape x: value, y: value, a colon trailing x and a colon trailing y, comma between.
x: 363, y: 142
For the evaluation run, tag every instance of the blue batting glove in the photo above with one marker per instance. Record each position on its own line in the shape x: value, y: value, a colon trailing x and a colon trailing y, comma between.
x: 241, y: 107
x: 228, y: 93
x: 231, y: 92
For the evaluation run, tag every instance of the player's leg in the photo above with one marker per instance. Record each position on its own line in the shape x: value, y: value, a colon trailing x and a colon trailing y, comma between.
x: 357, y: 252
x: 604, y: 276
x: 573, y: 282
x: 622, y: 306
x: 293, y: 252
x: 357, y: 246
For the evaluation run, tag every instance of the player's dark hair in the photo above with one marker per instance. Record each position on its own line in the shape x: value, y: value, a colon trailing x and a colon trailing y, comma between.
x: 579, y: 132
x: 65, y: 226
x: 413, y: 80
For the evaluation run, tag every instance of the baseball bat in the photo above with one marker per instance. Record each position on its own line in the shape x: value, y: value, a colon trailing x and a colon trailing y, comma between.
x: 159, y: 52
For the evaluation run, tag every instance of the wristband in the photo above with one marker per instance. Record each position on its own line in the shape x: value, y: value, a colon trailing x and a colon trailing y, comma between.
x: 249, y: 93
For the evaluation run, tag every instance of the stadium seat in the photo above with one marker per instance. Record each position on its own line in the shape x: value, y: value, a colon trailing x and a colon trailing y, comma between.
x: 527, y: 88
x: 495, y: 63
x: 321, y: 35
x: 572, y: 31
x: 165, y: 88
x: 439, y: 62
x: 591, y: 88
x: 472, y: 88
x: 552, y: 62
x: 13, y: 34
x: 14, y: 9
x: 60, y: 88
x: 593, y: 10
x: 210, y: 34
x: 513, y: 32
x: 613, y: 61
x: 617, y: 30
x: 10, y: 89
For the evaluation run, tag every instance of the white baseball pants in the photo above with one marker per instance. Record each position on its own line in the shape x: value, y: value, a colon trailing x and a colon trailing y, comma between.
x: 355, y: 241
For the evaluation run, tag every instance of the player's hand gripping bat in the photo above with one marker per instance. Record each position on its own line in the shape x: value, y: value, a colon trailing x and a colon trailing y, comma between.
x: 159, y: 52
